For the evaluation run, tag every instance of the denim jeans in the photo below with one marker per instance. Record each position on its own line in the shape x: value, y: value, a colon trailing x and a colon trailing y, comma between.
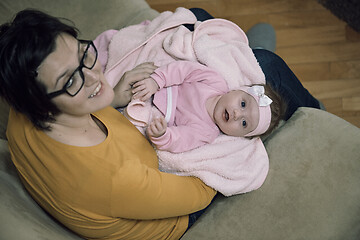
x: 201, y: 15
x: 195, y: 216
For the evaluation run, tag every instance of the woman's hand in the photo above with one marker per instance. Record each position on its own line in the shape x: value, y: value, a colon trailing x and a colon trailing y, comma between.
x: 123, y: 89
x: 144, y: 89
x: 157, y: 127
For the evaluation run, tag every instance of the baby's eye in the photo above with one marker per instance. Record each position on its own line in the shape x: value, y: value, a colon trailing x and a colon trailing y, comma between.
x: 243, y: 104
x: 244, y: 123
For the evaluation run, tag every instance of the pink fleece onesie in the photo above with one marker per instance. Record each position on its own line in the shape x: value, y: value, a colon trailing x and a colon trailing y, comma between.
x: 191, y: 85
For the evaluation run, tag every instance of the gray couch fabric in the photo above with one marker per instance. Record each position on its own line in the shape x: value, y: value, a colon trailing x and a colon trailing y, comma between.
x: 312, y: 190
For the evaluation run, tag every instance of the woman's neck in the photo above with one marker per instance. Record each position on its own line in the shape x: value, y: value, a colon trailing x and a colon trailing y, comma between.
x: 78, y: 130
x: 73, y: 123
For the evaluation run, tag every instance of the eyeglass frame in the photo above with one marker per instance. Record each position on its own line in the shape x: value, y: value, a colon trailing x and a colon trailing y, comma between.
x: 79, y: 68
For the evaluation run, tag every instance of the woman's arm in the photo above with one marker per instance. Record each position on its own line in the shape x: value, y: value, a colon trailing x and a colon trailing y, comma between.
x: 140, y: 192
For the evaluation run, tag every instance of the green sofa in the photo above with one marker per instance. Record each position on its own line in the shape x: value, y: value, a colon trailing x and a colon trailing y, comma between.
x: 312, y: 191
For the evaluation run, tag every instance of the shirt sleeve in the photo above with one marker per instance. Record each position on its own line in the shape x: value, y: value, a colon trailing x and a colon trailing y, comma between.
x: 178, y: 72
x: 140, y: 192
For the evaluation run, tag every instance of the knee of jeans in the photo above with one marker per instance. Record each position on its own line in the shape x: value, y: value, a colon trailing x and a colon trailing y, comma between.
x: 198, y: 10
x: 272, y: 65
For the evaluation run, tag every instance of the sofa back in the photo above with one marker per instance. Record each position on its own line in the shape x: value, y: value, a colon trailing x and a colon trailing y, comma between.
x: 91, y: 17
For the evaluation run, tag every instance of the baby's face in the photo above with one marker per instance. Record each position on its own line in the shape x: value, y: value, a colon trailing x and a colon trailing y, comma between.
x: 236, y: 113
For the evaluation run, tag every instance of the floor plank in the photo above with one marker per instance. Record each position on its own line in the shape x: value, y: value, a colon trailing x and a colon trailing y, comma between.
x: 320, y: 53
x: 351, y: 103
x: 333, y: 88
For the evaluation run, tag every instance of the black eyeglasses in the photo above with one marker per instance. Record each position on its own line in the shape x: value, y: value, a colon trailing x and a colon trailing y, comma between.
x: 77, y: 78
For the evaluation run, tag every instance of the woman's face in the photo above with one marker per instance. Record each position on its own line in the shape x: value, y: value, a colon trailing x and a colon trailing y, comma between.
x: 58, y: 67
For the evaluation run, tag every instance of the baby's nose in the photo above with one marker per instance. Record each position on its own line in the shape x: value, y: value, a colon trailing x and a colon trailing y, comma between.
x: 237, y: 114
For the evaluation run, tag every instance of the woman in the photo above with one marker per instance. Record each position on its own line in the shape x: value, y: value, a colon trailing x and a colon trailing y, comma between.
x: 79, y: 158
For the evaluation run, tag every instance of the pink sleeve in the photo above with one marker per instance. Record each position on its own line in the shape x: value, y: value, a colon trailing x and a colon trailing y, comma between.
x: 178, y: 72
x: 101, y: 43
x: 184, y: 138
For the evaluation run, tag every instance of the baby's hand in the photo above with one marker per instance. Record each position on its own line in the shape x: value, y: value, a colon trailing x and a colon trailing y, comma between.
x: 157, y: 127
x: 123, y: 89
x: 144, y: 89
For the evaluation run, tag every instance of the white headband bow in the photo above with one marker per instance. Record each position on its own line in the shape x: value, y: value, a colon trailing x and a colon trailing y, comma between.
x: 260, y: 92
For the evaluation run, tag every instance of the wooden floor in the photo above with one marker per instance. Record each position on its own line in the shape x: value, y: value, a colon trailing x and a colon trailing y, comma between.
x: 322, y: 50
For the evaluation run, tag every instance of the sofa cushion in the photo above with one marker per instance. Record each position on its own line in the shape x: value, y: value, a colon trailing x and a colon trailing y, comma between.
x: 312, y: 190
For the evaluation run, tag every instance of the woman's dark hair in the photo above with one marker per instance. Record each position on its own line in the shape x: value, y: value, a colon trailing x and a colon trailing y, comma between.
x: 24, y: 44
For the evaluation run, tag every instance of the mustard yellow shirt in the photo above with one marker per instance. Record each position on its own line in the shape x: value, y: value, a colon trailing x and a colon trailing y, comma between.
x: 113, y: 190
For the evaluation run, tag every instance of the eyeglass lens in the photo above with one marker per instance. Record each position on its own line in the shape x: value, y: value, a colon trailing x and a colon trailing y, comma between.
x: 88, y: 61
x: 89, y: 56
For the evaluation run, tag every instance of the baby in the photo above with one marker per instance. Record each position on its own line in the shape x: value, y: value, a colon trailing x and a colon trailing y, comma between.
x: 196, y: 105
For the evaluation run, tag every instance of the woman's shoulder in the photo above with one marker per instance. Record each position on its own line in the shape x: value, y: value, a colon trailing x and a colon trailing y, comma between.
x: 21, y: 131
x: 121, y: 135
x: 17, y: 123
